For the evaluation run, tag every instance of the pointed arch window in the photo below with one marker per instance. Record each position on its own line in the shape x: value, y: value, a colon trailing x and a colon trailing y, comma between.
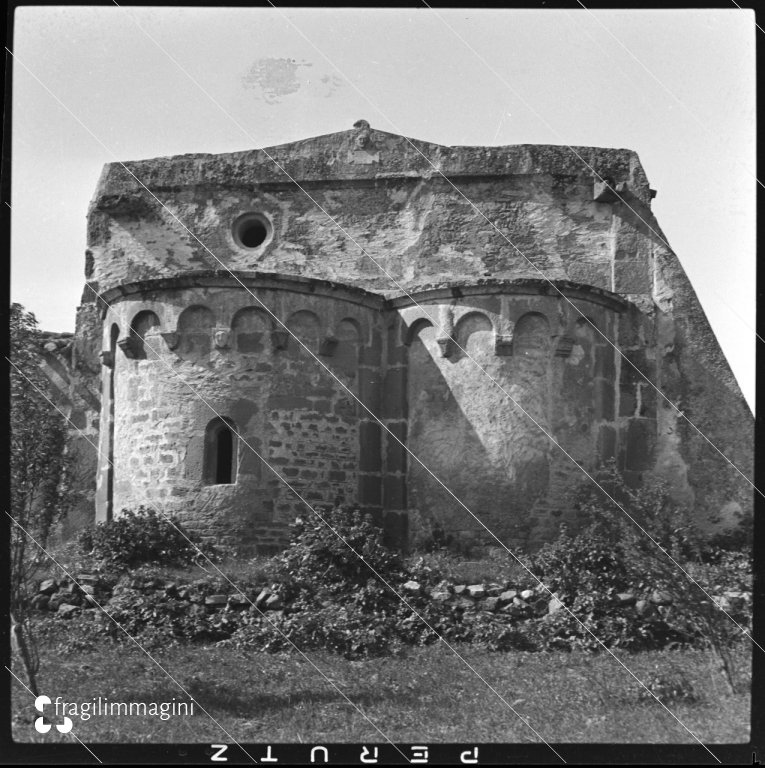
x: 220, y: 457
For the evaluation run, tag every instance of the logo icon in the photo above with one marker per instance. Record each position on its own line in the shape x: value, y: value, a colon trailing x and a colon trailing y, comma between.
x: 41, y: 726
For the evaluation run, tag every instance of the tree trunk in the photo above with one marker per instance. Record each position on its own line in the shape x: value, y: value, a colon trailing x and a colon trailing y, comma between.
x: 27, y: 656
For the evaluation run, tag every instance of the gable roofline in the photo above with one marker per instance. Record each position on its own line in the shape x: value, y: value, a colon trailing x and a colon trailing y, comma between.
x: 362, y: 154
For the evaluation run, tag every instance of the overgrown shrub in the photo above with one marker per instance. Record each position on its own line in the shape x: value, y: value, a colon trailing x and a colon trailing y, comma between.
x: 333, y: 588
x: 588, y: 572
x: 647, y: 512
x: 339, y: 551
x: 160, y: 620
x: 647, y: 547
x: 346, y: 630
x: 141, y: 536
x: 737, y: 538
x: 495, y: 565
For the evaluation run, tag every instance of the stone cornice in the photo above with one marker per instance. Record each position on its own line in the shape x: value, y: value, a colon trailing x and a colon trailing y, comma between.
x: 438, y: 293
x: 241, y: 280
x: 340, y: 157
x: 435, y: 293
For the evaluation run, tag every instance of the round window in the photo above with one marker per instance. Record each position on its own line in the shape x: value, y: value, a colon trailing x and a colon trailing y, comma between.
x: 251, y: 230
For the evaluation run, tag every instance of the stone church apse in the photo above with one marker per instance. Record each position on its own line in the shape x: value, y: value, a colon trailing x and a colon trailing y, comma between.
x: 425, y: 331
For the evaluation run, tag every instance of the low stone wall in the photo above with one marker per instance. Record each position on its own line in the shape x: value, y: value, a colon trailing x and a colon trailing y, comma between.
x: 202, y: 596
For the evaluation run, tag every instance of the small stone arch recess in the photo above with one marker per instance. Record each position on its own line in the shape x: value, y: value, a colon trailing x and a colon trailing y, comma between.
x: 531, y: 336
x: 142, y: 324
x: 305, y: 326
x: 251, y: 328
x: 413, y: 332
x: 349, y: 329
x: 195, y: 325
x: 465, y: 330
x: 220, y: 454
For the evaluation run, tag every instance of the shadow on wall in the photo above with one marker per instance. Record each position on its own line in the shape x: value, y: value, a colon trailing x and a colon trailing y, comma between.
x: 439, y: 398
x: 464, y: 429
x: 489, y: 446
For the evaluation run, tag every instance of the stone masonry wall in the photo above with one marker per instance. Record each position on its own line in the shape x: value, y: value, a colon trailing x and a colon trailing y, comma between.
x: 508, y: 424
x: 413, y: 233
x: 241, y: 366
x: 387, y: 198
x: 407, y: 237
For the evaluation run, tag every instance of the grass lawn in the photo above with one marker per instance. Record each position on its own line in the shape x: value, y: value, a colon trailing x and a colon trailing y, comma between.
x: 425, y: 696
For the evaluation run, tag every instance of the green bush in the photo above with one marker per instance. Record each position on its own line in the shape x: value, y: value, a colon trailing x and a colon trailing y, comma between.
x: 644, y: 547
x: 343, y: 629
x: 138, y: 537
x: 587, y: 572
x: 338, y: 552
x: 336, y: 597
x: 330, y: 579
x: 647, y: 512
x: 738, y: 538
x: 161, y: 620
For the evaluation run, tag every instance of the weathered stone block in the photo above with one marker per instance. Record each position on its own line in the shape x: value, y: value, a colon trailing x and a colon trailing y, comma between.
x: 48, y: 587
x: 370, y: 490
x: 606, y: 442
x: 273, y: 603
x: 370, y: 450
x: 595, y: 274
x: 394, y: 492
x: 632, y: 277
x: 605, y: 356
x: 216, y: 601
x: 289, y: 402
x: 394, y: 393
x: 554, y: 605
x: 641, y: 437
x: 627, y: 401
x: 396, y: 455
x: 604, y: 395
x: 370, y: 391
x: 644, y: 608
x: 238, y: 601
x: 491, y: 603
x: 660, y: 597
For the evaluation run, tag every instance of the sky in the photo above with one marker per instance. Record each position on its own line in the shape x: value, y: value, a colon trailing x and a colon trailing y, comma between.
x: 94, y: 85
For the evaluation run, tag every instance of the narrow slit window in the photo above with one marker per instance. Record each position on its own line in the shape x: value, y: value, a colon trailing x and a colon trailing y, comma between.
x: 223, y: 463
x: 220, y: 453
